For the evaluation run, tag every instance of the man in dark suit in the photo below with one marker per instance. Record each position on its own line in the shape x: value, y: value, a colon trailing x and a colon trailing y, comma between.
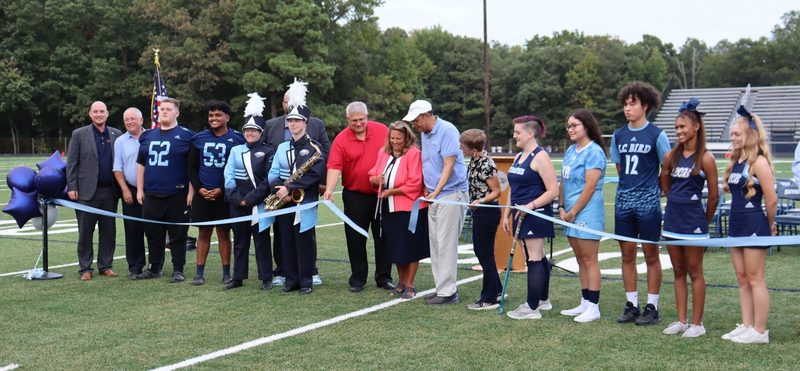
x: 90, y: 181
x: 276, y: 132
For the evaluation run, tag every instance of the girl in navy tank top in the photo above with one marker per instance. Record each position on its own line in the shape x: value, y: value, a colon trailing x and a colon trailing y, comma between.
x: 534, y: 185
x: 749, y: 178
x: 686, y: 169
x: 747, y: 216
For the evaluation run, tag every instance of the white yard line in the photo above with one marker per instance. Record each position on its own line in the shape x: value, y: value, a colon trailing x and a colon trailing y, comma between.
x: 300, y: 330
x: 51, y: 268
x: 115, y: 258
x: 9, y: 367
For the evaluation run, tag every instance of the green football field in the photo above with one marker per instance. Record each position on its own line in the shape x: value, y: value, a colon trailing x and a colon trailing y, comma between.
x: 116, y: 323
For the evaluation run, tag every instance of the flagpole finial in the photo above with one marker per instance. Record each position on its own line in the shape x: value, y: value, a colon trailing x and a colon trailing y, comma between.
x: 155, y: 57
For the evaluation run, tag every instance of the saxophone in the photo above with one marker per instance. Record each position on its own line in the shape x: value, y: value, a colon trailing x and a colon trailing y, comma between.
x: 273, y: 202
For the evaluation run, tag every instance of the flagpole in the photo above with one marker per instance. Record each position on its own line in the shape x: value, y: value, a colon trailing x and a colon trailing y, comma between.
x: 153, y: 97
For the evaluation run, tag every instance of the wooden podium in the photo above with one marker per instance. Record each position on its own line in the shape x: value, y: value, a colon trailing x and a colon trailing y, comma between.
x: 502, y: 243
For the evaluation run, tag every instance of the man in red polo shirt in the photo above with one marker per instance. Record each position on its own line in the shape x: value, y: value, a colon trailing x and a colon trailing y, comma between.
x: 353, y: 153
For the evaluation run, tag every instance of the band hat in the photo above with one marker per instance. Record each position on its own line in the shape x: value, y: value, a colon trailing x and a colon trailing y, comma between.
x: 299, y: 112
x: 417, y: 108
x: 253, y: 112
x: 252, y: 123
x: 296, y: 100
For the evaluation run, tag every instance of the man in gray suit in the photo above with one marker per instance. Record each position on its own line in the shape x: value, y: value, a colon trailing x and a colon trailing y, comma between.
x: 90, y: 182
x: 276, y: 132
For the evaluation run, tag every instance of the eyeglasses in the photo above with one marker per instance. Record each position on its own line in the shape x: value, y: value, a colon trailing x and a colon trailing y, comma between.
x: 573, y: 126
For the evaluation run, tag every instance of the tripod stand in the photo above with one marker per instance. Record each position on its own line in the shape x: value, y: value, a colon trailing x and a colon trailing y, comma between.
x: 552, y: 261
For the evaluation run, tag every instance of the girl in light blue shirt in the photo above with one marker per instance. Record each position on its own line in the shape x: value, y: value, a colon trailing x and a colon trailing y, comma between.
x: 581, y: 203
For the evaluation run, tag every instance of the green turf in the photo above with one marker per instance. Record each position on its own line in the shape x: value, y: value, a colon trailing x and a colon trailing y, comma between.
x: 121, y: 324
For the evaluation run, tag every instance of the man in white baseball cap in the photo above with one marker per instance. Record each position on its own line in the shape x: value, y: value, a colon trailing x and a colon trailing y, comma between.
x: 445, y: 178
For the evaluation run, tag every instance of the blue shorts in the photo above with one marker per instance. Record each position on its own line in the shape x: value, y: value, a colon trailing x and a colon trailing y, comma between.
x: 592, y: 224
x: 638, y: 223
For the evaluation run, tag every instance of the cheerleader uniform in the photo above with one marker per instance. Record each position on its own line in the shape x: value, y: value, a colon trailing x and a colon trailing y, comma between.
x: 685, y: 216
x: 526, y: 186
x: 747, y: 217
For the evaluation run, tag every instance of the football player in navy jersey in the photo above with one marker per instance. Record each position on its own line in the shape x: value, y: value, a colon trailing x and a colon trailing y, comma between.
x: 638, y: 149
x: 163, y: 189
x: 207, y: 158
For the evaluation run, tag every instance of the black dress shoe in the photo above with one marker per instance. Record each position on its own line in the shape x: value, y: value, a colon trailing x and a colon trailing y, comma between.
x: 356, y: 288
x: 305, y: 291
x: 266, y: 285
x: 289, y: 288
x: 387, y: 285
x: 232, y: 284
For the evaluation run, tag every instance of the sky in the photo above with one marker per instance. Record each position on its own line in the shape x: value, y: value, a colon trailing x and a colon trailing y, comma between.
x: 512, y: 22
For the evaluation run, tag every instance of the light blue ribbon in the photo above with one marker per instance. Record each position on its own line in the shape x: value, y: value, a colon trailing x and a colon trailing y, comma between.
x: 298, y: 208
x: 710, y: 242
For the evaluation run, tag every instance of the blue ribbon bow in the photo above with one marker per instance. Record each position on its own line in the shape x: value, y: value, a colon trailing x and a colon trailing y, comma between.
x: 691, y: 106
x: 745, y: 113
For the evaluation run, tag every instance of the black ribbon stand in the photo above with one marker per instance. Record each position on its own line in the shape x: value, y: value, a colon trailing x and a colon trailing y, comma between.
x: 45, y: 266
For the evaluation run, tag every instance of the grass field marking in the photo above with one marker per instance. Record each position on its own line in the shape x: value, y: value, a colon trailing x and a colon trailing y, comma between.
x: 301, y: 330
x: 115, y: 258
x: 329, y: 225
x: 9, y: 367
x: 56, y: 266
x: 61, y: 226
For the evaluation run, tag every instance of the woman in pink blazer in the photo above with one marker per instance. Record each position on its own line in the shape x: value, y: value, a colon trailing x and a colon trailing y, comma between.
x: 397, y: 175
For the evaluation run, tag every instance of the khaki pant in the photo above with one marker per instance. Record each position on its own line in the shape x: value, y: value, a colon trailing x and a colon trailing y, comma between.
x: 445, y: 223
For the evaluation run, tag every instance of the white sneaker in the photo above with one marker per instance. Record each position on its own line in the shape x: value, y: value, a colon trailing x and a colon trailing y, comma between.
x: 751, y: 336
x: 524, y: 311
x: 694, y: 331
x: 545, y: 305
x: 577, y: 311
x: 316, y: 280
x: 736, y: 332
x: 675, y: 328
x: 592, y: 313
x: 278, y: 281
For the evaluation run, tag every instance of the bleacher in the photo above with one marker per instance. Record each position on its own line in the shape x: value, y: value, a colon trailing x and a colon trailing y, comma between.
x: 778, y: 107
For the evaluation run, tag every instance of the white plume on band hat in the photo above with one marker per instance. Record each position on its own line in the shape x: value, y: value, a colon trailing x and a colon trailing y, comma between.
x: 417, y: 108
x: 296, y: 100
x: 254, y: 112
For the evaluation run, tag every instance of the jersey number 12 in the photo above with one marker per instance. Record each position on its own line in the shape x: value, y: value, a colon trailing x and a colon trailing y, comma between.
x: 631, y: 162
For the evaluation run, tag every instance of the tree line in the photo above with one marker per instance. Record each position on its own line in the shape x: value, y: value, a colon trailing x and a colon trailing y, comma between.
x: 57, y: 56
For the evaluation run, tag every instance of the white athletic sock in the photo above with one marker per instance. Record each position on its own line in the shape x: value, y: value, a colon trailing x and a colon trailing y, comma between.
x: 653, y: 299
x: 633, y: 297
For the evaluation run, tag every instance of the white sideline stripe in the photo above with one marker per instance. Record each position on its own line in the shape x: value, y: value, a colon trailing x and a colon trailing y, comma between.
x: 299, y: 330
x: 117, y: 257
x: 53, y: 267
x: 10, y: 367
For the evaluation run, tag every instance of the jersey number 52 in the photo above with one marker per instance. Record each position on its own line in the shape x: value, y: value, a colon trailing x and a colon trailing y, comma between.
x: 157, y: 153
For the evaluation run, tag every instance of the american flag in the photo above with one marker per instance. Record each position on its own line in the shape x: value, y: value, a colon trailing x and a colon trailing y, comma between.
x: 159, y: 90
